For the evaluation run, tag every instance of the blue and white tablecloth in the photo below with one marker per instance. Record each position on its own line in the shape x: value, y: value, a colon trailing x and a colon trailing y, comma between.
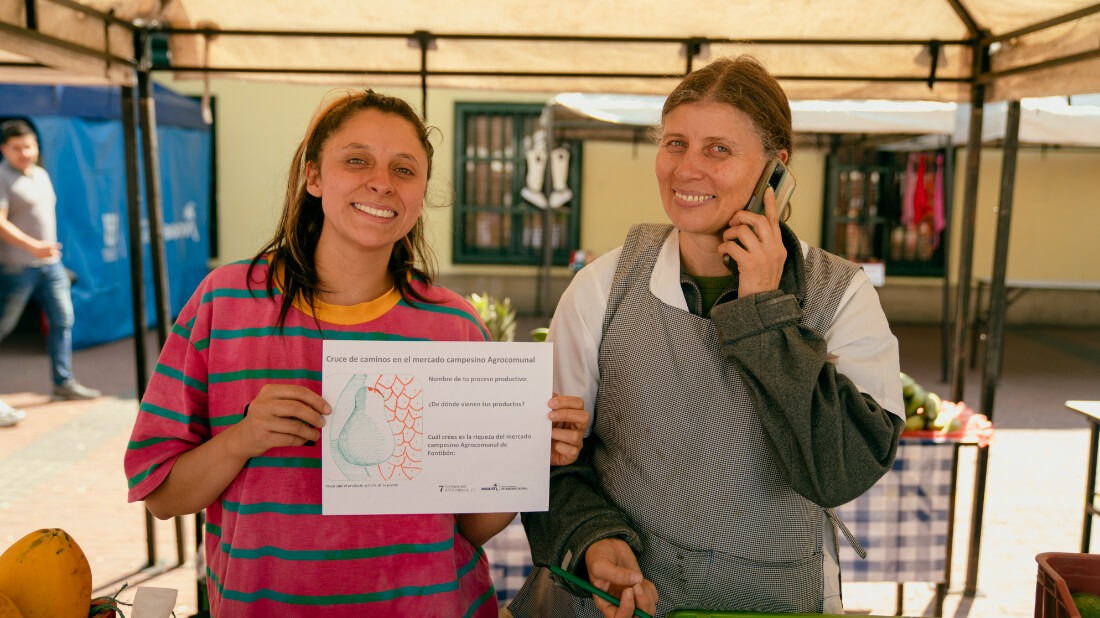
x: 509, y: 560
x: 902, y: 521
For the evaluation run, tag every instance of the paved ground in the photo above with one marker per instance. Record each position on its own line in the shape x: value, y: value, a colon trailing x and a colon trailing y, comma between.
x: 62, y: 467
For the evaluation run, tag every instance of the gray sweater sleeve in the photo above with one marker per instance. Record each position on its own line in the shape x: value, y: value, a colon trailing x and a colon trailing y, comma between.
x: 580, y: 514
x: 832, y: 441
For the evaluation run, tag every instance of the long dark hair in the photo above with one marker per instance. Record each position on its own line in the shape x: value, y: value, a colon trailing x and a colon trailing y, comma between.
x: 290, y: 252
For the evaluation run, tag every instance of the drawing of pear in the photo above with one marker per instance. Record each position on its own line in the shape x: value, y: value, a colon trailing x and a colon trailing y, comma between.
x: 365, y: 440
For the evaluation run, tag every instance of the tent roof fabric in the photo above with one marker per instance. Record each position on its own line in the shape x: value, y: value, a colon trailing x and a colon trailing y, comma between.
x: 837, y: 49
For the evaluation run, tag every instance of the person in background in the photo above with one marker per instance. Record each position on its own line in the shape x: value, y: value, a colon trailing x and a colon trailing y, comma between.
x: 733, y: 406
x: 30, y: 256
x: 232, y: 416
x: 10, y: 416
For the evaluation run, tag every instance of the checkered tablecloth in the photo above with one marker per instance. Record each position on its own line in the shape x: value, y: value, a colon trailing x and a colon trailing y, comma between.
x: 509, y: 560
x: 902, y: 520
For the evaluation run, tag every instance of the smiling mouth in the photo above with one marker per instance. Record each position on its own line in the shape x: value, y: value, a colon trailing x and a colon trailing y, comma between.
x: 385, y: 214
x: 684, y: 197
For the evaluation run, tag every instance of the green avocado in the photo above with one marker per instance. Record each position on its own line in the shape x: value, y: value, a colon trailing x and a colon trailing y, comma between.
x: 916, y: 401
x: 931, y: 406
x: 1088, y: 604
x: 907, y: 384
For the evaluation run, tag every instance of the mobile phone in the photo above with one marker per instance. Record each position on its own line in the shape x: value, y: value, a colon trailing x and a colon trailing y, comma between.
x: 777, y: 176
x: 781, y: 180
x: 577, y: 581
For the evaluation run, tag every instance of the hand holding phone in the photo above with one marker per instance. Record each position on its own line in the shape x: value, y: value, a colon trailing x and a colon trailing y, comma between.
x: 777, y: 176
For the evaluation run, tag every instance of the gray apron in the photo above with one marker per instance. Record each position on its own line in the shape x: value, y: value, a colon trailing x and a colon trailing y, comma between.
x: 681, y: 452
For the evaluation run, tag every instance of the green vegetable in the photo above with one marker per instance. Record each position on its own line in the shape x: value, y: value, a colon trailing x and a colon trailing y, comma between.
x: 1088, y: 604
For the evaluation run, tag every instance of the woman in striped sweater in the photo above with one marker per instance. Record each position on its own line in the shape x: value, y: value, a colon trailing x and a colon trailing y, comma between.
x: 231, y: 417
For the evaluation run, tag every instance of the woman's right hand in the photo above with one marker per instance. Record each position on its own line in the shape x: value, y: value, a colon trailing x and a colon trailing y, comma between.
x: 280, y: 415
x: 613, y: 568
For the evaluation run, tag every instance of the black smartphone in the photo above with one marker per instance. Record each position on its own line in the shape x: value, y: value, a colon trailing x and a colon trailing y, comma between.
x: 777, y: 176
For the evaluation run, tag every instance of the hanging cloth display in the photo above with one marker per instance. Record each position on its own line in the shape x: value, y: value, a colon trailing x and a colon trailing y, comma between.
x: 921, y: 206
x: 910, y: 189
x: 939, y: 217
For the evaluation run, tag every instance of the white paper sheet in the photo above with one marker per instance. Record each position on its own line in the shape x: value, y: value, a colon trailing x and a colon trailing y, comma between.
x: 152, y: 602
x: 436, y: 427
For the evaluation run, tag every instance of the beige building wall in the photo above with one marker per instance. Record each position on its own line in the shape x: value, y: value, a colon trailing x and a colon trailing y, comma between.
x: 1055, y: 217
x: 620, y: 189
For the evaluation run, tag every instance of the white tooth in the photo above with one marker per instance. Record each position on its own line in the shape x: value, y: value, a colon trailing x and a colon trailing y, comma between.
x: 693, y: 198
x: 388, y: 214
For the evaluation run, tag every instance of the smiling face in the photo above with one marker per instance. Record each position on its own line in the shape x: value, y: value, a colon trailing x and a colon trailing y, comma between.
x: 708, y: 161
x: 371, y: 180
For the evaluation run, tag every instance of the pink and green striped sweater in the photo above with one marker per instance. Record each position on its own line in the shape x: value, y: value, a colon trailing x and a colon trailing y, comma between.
x: 269, y: 551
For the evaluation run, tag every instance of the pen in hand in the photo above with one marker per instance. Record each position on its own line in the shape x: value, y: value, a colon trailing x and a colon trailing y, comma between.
x: 576, y: 581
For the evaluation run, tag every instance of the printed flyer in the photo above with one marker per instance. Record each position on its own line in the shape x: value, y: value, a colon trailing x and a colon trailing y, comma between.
x: 436, y: 427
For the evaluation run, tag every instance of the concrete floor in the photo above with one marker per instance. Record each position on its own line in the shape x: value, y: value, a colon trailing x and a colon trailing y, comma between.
x: 62, y: 467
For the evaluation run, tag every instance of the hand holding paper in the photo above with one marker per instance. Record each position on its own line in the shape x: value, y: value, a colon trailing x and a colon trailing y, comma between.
x: 570, y: 424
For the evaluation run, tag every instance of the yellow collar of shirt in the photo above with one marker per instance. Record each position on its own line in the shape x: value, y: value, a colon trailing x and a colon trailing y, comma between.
x: 344, y: 314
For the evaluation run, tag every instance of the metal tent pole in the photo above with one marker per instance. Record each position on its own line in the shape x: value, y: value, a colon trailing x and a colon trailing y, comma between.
x: 947, y: 320
x: 155, y: 212
x: 966, y: 242
x: 543, y: 306
x: 991, y: 361
x: 137, y: 282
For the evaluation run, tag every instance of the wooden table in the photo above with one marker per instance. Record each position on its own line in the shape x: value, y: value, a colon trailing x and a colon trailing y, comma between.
x: 1091, y: 411
x: 1014, y: 289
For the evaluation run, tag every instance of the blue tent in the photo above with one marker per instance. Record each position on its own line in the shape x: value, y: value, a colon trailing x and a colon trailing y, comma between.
x: 81, y: 137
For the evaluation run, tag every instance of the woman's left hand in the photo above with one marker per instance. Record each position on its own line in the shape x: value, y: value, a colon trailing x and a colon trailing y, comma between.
x: 761, y: 254
x: 570, y: 422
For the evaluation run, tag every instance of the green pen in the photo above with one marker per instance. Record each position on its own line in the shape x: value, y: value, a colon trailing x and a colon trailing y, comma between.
x: 576, y: 581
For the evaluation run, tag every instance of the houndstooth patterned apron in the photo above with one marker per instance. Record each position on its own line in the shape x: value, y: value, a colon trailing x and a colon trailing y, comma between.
x: 682, y: 453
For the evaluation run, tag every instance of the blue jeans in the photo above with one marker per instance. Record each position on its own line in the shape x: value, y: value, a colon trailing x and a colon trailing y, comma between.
x: 49, y: 285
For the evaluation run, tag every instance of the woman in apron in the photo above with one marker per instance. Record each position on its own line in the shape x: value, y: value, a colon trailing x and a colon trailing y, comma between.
x: 742, y: 383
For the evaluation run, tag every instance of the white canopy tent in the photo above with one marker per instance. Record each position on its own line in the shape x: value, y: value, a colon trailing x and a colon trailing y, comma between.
x: 957, y: 51
x: 1046, y: 120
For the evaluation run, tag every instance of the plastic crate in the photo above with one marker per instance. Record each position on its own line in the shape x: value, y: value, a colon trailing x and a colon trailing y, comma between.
x: 1060, y: 575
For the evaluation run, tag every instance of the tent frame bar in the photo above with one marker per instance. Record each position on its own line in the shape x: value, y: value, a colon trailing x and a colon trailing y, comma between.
x: 431, y: 73
x: 548, y: 38
x: 69, y: 46
x: 1043, y: 25
x: 990, y: 76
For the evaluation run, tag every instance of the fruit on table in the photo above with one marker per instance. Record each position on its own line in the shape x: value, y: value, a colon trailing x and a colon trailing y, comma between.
x: 914, y: 423
x: 1088, y: 604
x: 47, y: 575
x: 947, y: 423
x: 907, y: 384
x: 931, y: 406
x: 925, y: 411
x: 915, y: 402
x: 102, y: 608
x: 8, y: 608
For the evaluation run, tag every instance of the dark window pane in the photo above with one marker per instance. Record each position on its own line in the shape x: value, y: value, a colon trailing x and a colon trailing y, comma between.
x: 494, y: 224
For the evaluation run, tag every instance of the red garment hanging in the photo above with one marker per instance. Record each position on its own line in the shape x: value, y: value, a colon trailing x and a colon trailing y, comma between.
x: 921, y: 206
